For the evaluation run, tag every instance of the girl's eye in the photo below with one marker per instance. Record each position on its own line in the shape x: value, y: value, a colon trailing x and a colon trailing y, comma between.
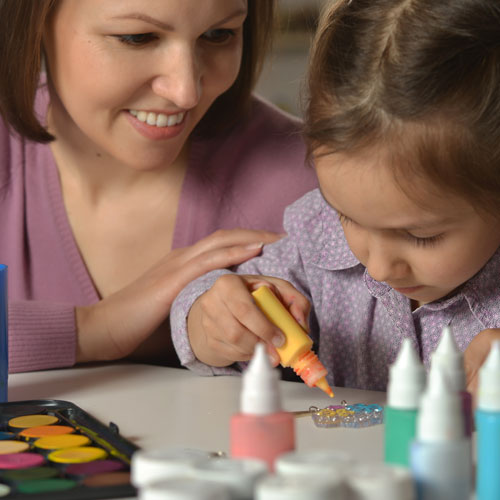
x: 218, y: 35
x: 136, y: 40
x: 425, y: 242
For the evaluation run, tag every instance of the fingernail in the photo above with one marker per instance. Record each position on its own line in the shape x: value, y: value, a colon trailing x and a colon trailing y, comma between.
x: 278, y: 340
x: 304, y: 325
x: 275, y: 359
x: 254, y: 246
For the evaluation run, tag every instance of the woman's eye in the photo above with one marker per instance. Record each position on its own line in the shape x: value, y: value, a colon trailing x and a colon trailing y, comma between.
x: 218, y: 35
x: 136, y: 40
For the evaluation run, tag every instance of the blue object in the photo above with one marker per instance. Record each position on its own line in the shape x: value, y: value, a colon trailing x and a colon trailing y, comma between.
x: 488, y: 455
x: 4, y: 352
x: 441, y: 470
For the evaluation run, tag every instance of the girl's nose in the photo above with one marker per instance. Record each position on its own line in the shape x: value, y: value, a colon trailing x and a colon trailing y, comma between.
x: 179, y: 80
x: 385, y: 266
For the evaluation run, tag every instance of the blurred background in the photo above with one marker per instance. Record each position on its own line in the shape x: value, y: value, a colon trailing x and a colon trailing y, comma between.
x: 285, y: 68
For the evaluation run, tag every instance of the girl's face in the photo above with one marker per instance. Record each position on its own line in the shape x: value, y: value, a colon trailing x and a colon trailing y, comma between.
x: 132, y: 78
x: 423, y: 253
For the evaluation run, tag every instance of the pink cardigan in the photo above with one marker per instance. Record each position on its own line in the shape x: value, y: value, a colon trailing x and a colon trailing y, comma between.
x: 244, y: 178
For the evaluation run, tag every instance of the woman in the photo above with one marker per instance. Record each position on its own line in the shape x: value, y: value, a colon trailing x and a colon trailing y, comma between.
x: 120, y: 161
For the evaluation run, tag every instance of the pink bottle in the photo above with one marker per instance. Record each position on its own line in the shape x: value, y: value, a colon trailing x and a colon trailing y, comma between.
x: 262, y: 430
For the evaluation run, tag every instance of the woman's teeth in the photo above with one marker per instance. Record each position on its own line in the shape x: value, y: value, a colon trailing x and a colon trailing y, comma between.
x: 157, y: 119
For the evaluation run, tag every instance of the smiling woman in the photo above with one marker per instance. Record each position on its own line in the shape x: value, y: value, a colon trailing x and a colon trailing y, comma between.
x: 138, y: 160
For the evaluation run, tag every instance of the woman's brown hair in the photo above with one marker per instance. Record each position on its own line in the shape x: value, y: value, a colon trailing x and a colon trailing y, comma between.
x: 418, y: 77
x: 22, y: 23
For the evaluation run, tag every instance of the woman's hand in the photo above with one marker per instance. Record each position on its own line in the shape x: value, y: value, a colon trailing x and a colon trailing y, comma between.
x: 114, y: 327
x: 475, y: 355
x: 224, y: 323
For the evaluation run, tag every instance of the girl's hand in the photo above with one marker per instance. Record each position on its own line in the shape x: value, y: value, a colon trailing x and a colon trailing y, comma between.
x: 475, y: 355
x: 224, y: 323
x: 114, y: 327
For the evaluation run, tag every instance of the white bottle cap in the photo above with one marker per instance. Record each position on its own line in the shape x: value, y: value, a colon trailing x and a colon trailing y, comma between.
x: 489, y: 380
x: 300, y: 488
x: 406, y: 379
x: 239, y: 475
x: 260, y: 392
x: 329, y: 463
x: 440, y: 418
x: 184, y: 488
x: 451, y: 360
x: 152, y: 465
x: 376, y: 481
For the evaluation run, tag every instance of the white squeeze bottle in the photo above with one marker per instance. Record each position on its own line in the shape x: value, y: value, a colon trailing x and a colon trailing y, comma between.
x: 440, y: 456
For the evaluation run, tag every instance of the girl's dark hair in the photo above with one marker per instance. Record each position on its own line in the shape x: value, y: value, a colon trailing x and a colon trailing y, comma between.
x: 22, y: 23
x: 418, y: 77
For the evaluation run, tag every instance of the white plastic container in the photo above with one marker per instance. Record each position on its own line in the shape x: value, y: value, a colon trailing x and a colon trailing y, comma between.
x: 153, y: 465
x: 328, y: 463
x: 184, y: 488
x: 237, y: 474
x: 279, y: 487
x: 375, y: 481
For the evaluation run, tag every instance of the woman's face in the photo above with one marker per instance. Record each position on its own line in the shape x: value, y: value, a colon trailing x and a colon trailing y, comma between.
x: 130, y: 79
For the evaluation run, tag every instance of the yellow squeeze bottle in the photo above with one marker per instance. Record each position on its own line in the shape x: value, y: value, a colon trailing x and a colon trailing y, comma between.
x: 296, y: 351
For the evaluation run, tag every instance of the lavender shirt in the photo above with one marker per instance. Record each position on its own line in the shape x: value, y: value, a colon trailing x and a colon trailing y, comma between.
x: 243, y: 178
x: 357, y: 323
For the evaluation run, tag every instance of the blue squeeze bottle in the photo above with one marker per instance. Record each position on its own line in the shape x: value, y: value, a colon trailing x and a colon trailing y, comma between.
x: 488, y: 427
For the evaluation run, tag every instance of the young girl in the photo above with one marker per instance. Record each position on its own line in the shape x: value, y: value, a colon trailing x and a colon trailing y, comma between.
x: 403, y: 236
x: 139, y: 140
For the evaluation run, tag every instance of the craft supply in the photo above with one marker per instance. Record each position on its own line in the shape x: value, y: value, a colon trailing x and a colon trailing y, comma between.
x: 184, y: 488
x: 58, y: 451
x: 4, y: 352
x: 375, y: 481
x: 405, y: 388
x: 239, y: 475
x: 299, y: 488
x: 440, y: 456
x: 354, y: 416
x: 451, y: 360
x: 296, y: 351
x: 328, y: 463
x: 262, y: 430
x: 149, y: 466
x: 488, y: 427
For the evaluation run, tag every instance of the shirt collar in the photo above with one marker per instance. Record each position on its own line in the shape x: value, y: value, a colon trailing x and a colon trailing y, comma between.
x: 328, y: 249
x: 324, y: 237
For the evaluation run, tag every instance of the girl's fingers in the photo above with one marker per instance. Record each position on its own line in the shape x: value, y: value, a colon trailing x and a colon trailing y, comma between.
x: 234, y: 292
x: 298, y: 305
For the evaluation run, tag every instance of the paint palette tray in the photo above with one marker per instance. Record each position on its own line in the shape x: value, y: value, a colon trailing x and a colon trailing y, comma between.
x: 54, y: 450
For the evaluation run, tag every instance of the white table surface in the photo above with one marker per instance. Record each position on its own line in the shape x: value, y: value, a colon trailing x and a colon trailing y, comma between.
x: 158, y: 407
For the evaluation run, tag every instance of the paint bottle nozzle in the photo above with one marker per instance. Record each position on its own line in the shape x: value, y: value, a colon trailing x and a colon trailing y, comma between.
x: 296, y: 351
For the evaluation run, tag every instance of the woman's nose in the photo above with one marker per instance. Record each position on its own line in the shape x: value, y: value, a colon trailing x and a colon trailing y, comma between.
x: 180, y: 79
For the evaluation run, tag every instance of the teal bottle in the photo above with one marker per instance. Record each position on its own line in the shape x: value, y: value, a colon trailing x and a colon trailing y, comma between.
x: 406, y: 385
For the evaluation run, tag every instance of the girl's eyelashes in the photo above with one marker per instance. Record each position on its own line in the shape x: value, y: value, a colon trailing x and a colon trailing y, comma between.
x: 137, y: 39
x: 425, y: 242
x: 218, y: 36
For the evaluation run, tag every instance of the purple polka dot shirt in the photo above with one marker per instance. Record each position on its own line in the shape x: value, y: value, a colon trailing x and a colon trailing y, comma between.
x: 357, y: 323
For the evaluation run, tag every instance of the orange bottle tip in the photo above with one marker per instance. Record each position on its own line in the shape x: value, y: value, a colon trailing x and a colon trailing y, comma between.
x: 323, y: 385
